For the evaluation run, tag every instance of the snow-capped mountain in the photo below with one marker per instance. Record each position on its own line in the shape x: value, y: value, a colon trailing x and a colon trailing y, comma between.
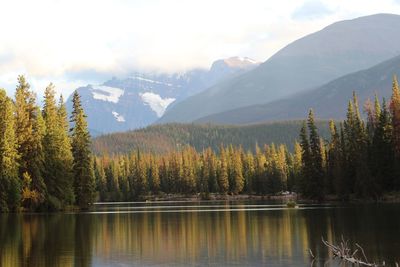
x: 140, y: 99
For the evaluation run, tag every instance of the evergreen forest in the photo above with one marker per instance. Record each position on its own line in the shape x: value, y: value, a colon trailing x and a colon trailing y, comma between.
x: 46, y: 160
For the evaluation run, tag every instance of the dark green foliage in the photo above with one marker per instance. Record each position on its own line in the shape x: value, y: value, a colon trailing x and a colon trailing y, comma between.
x: 84, y: 186
x: 30, y: 130
x: 40, y: 163
x: 171, y: 137
x: 57, y: 151
x: 10, y: 188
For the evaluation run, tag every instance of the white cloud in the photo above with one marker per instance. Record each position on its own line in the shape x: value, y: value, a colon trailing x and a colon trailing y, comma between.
x: 47, y: 39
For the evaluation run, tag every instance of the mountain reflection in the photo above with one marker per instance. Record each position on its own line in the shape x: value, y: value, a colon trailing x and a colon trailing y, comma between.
x: 273, y: 237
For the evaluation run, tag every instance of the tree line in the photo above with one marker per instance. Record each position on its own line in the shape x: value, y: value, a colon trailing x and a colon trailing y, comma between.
x: 44, y: 163
x: 361, y: 158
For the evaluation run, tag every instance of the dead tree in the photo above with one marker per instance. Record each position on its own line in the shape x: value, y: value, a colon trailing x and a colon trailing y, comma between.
x: 344, y: 252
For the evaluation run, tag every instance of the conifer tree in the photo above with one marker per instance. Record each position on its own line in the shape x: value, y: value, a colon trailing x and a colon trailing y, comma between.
x: 82, y: 165
x: 223, y: 182
x: 212, y: 177
x: 313, y: 175
x: 248, y: 171
x: 204, y: 176
x: 57, y: 151
x: 237, y: 173
x: 10, y: 188
x: 334, y: 162
x: 297, y: 166
x: 259, y: 171
x: 358, y: 152
x: 382, y: 154
x: 154, y: 177
x: 140, y: 180
x: 395, y: 111
x: 29, y: 131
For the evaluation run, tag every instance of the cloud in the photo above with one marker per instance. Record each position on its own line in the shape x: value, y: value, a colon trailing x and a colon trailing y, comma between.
x: 74, y: 42
x: 311, y: 10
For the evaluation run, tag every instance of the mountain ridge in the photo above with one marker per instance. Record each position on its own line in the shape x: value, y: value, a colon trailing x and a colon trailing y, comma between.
x: 306, y: 63
x: 140, y: 99
x: 329, y: 101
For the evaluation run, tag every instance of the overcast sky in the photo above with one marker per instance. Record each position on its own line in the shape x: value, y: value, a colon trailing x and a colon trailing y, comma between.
x: 72, y: 43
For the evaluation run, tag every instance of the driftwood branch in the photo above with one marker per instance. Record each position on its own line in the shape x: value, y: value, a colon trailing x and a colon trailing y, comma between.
x: 344, y: 252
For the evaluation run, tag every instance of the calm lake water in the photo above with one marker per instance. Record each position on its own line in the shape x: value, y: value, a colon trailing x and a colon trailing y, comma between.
x: 197, y: 234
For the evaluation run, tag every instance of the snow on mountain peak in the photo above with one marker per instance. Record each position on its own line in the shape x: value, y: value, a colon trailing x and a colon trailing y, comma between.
x: 149, y: 80
x: 106, y: 93
x: 118, y: 117
x: 156, y: 102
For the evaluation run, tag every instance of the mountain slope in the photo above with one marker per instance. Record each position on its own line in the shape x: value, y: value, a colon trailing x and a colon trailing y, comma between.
x: 328, y: 101
x: 171, y: 137
x: 139, y: 100
x: 311, y: 61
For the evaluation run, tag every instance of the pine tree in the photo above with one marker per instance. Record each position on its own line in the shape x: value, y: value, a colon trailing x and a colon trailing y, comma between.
x: 358, y: 173
x: 395, y: 111
x: 317, y: 178
x: 57, y: 152
x: 296, y: 169
x: 65, y: 151
x: 154, y: 177
x: 382, y: 154
x: 204, y: 176
x: 212, y: 175
x: 10, y: 188
x: 248, y: 171
x: 334, y: 162
x: 313, y: 175
x: 223, y: 182
x: 260, y: 172
x: 29, y: 131
x: 237, y: 173
x: 140, y: 176
x: 82, y: 165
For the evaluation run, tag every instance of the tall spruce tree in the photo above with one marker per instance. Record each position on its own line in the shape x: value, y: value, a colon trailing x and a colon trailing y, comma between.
x: 334, y: 162
x: 382, y: 154
x: 395, y: 111
x: 317, y: 176
x: 223, y: 180
x: 57, y: 152
x: 29, y: 131
x: 10, y: 188
x: 237, y: 173
x: 84, y: 185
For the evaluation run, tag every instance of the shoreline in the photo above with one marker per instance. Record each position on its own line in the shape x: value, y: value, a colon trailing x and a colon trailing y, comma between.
x: 392, y: 197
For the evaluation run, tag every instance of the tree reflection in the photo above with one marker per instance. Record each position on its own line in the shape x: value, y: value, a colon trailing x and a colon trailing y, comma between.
x: 271, y: 237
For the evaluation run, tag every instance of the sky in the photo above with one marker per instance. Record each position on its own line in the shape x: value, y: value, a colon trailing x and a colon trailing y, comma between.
x: 73, y: 43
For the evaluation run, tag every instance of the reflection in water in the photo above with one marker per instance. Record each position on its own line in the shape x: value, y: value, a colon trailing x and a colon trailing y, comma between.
x: 276, y: 237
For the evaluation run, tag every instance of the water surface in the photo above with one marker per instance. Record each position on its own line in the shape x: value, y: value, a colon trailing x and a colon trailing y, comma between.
x: 257, y: 233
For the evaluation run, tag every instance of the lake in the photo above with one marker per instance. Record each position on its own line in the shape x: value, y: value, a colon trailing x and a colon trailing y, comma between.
x: 247, y: 233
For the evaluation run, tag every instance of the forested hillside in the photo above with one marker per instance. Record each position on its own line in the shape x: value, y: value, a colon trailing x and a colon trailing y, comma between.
x: 360, y: 159
x: 170, y: 137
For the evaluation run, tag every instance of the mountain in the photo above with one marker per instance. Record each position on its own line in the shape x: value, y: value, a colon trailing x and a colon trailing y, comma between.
x: 339, y: 49
x: 139, y: 100
x: 171, y: 137
x: 329, y: 101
